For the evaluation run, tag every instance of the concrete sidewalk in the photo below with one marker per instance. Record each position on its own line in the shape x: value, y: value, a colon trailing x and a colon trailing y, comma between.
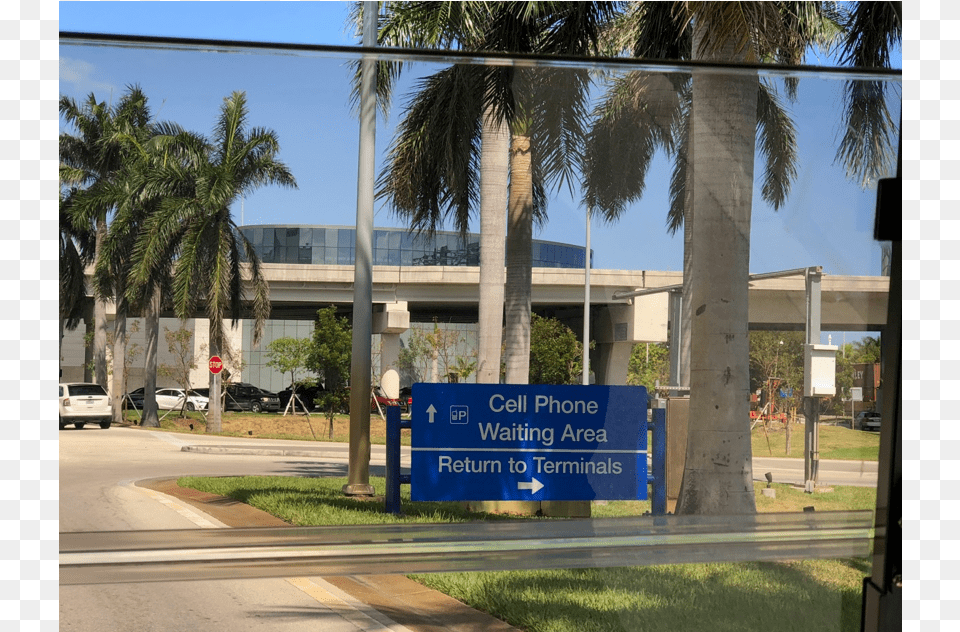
x: 402, y: 600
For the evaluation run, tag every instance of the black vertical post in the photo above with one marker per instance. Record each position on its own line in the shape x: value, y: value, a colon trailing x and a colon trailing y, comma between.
x: 392, y: 499
x: 659, y: 501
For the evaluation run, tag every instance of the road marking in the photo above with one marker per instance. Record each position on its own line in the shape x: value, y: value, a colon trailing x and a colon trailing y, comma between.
x: 361, y: 615
x: 201, y: 520
x: 347, y: 607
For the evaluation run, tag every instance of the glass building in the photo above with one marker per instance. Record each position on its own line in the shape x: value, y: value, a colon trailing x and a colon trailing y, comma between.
x: 334, y: 245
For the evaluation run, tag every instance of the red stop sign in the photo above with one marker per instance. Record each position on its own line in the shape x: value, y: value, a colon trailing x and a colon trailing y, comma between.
x: 216, y: 364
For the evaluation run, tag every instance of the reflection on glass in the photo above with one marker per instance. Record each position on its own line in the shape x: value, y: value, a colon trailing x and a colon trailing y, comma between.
x: 822, y: 219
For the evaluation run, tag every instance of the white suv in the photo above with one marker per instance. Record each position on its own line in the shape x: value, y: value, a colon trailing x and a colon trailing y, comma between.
x: 81, y: 403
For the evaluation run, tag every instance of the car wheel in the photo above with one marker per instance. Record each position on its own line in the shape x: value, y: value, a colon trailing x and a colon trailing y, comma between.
x: 255, y: 407
x: 79, y: 425
x: 191, y: 407
x: 62, y: 425
x: 104, y: 424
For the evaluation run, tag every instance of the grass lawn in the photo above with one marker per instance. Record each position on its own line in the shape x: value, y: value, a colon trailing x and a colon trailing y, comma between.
x: 836, y: 442
x: 822, y: 595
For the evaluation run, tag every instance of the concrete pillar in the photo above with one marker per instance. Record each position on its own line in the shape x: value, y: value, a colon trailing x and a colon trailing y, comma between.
x: 389, y: 352
x: 390, y: 320
x: 614, y: 358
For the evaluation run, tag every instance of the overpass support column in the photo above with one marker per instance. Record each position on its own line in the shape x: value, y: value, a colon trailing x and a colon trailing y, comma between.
x: 620, y: 327
x: 614, y: 359
x: 390, y: 320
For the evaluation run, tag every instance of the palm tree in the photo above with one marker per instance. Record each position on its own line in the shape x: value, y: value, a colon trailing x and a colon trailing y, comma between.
x: 134, y: 205
x: 89, y: 163
x: 719, y: 122
x: 459, y: 113
x: 76, y: 253
x: 193, y: 226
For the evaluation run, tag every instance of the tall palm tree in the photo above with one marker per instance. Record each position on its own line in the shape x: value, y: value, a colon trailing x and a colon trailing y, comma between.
x: 193, y: 226
x: 134, y: 205
x: 76, y: 249
x: 89, y: 163
x: 457, y: 115
x: 721, y: 118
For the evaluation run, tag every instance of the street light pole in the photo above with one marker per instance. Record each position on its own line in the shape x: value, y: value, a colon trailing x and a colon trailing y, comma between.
x: 586, y: 309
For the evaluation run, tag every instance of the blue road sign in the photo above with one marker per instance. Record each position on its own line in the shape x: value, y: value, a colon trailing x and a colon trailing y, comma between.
x: 519, y: 442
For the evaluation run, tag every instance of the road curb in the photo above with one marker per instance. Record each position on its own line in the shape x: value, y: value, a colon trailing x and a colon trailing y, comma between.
x: 403, y: 600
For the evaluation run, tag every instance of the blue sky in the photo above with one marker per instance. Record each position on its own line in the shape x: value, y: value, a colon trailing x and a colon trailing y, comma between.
x: 827, y: 220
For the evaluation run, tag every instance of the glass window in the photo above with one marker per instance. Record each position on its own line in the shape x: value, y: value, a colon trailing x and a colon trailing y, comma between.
x: 758, y: 549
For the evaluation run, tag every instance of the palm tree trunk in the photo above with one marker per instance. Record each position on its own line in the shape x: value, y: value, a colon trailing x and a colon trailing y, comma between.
x: 119, y: 382
x: 519, y: 262
x: 495, y: 147
x: 100, y: 321
x: 718, y: 473
x: 214, y: 422
x: 150, y: 417
x: 686, y: 308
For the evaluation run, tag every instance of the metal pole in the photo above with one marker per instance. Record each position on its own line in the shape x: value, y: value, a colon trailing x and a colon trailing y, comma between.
x: 811, y: 408
x: 358, y: 480
x: 586, y: 310
x: 676, y: 320
x: 658, y: 504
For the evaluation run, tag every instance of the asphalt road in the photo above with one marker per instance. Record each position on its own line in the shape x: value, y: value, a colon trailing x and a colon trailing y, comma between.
x: 97, y: 470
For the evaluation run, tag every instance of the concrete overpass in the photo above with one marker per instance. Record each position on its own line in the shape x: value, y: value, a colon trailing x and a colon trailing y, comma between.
x: 450, y: 294
x: 405, y: 294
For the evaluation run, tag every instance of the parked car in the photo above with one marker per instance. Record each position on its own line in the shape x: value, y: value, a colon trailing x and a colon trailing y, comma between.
x: 173, y: 398
x: 306, y: 395
x: 867, y: 420
x: 406, y: 399
x: 379, y: 397
x: 135, y: 398
x: 243, y: 396
x: 81, y: 402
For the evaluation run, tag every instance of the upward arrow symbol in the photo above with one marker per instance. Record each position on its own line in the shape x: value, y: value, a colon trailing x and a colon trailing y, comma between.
x: 431, y: 411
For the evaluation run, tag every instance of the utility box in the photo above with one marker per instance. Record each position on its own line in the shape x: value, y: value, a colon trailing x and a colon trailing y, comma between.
x: 819, y: 370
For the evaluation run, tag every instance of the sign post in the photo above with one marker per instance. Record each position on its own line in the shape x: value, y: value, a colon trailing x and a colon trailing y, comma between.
x: 216, y: 366
x: 528, y: 442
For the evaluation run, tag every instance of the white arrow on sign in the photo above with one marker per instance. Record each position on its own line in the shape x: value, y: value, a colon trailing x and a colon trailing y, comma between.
x: 431, y: 411
x: 534, y: 486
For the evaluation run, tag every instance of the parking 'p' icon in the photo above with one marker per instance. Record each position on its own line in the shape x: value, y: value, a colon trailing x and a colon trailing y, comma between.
x: 459, y: 415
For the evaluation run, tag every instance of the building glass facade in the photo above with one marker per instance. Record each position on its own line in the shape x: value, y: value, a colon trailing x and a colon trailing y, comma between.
x: 334, y: 245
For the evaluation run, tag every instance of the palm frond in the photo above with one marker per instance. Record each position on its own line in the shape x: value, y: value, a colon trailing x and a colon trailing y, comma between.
x: 777, y: 139
x: 635, y: 119
x: 866, y: 146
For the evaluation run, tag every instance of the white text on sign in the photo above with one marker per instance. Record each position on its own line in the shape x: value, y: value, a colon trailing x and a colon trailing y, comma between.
x: 543, y: 404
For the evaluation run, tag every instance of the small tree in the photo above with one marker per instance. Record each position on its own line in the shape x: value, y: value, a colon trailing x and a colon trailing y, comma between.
x: 329, y: 357
x: 436, y: 354
x: 289, y: 355
x: 556, y: 356
x: 649, y: 364
x: 180, y: 346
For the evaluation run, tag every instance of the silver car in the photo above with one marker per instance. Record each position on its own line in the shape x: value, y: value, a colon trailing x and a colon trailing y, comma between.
x: 867, y: 420
x: 82, y: 403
